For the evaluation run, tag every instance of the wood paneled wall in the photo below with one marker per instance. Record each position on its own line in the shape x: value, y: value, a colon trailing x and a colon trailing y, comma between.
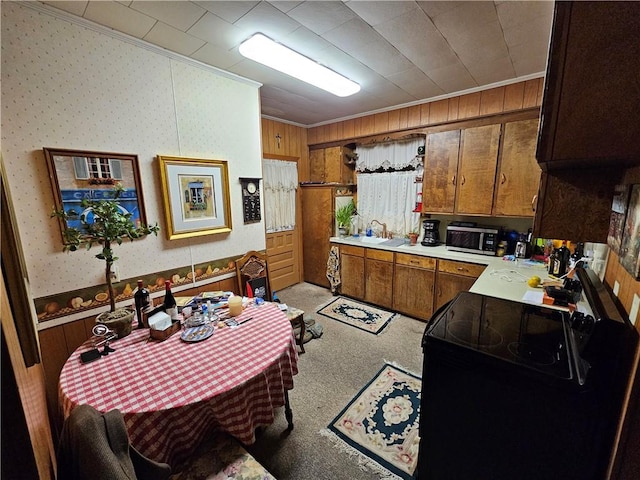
x: 517, y: 96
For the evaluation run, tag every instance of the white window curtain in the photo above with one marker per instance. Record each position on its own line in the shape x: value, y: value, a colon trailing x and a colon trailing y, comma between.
x: 389, y: 156
x: 389, y: 198
x: 280, y: 184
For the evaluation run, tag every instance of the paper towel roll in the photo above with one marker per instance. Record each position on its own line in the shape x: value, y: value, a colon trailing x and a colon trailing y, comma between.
x: 159, y: 321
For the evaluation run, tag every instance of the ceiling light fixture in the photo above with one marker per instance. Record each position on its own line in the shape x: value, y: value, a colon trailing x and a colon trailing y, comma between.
x: 275, y: 55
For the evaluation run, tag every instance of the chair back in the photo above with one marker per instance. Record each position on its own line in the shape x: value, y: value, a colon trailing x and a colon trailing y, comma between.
x: 253, y: 275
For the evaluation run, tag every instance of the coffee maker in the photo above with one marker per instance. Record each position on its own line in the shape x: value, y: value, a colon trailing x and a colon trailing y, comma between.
x: 431, y: 233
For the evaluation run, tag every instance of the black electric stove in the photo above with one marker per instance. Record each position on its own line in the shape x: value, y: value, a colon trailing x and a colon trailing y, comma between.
x: 520, y: 391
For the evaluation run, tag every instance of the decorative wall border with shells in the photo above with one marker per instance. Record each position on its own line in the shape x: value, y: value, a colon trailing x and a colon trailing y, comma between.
x: 67, y: 303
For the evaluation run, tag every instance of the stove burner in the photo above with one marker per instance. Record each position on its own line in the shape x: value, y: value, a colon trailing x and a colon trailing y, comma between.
x: 468, y: 334
x: 531, y: 353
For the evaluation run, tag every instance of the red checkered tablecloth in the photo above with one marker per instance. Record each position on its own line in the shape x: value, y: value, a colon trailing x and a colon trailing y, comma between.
x: 173, y: 393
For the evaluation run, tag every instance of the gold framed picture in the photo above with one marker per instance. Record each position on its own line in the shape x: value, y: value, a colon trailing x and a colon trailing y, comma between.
x: 196, y: 196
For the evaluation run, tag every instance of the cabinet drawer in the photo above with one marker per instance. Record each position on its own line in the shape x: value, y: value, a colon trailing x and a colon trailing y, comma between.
x: 382, y: 255
x: 349, y: 250
x: 461, y: 268
x: 416, y: 261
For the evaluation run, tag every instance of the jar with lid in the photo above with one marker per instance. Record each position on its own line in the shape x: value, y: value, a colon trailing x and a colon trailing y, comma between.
x: 501, y: 250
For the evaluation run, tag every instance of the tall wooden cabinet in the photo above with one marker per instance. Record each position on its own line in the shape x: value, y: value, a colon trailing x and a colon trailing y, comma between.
x: 352, y: 271
x: 318, y: 225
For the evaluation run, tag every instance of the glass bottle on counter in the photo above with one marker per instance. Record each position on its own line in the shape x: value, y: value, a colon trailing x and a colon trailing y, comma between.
x: 169, y: 303
x: 142, y: 301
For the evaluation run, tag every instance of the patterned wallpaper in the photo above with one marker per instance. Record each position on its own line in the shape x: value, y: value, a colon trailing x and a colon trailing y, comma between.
x: 65, y: 85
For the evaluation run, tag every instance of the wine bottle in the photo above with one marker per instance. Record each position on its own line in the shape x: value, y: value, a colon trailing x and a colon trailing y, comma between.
x: 563, y: 255
x: 142, y: 301
x: 169, y: 304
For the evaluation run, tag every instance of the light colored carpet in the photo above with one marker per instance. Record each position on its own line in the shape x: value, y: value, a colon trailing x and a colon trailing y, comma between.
x: 331, y: 372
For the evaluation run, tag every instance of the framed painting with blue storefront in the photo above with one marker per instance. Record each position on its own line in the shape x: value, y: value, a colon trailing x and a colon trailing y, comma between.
x: 76, y: 175
x: 251, y: 199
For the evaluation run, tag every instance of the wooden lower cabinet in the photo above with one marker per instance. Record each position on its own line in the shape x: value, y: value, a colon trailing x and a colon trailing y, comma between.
x: 454, y: 277
x: 378, y: 288
x: 352, y: 271
x: 413, y: 285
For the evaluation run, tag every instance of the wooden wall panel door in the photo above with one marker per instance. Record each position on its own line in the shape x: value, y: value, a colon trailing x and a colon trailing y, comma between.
x: 477, y: 169
x: 282, y: 259
x: 317, y: 228
x: 519, y: 173
x: 440, y: 172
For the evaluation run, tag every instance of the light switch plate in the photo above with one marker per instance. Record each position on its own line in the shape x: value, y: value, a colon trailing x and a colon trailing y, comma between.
x: 616, y: 288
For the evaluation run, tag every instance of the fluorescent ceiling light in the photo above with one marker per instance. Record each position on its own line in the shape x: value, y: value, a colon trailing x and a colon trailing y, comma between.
x: 277, y: 56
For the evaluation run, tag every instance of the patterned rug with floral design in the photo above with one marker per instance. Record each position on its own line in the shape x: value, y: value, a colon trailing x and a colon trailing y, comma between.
x: 357, y: 314
x: 379, y: 427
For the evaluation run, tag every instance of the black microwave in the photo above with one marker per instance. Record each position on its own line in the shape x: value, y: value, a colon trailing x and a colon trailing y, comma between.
x: 472, y: 238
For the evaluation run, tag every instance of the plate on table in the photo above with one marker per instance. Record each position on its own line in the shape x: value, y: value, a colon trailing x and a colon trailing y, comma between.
x: 197, y: 334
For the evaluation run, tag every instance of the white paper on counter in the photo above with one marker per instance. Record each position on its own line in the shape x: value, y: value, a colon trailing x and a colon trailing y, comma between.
x: 533, y: 296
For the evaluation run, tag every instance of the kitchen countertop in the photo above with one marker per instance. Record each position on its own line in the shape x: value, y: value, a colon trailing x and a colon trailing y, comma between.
x: 501, y: 279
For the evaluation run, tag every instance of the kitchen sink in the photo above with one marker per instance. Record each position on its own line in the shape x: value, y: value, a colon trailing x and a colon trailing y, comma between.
x: 394, y: 242
x: 373, y: 240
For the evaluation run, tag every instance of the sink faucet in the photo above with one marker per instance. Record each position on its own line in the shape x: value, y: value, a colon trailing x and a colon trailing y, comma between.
x: 384, y: 227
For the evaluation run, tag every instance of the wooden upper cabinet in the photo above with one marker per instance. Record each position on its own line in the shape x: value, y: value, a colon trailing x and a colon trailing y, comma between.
x: 328, y: 165
x: 477, y: 169
x: 518, y: 172
x: 591, y: 102
x: 440, y: 172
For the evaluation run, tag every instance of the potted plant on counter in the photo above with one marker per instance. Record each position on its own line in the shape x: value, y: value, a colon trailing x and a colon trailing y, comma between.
x: 106, y: 223
x: 413, y: 237
x: 343, y: 217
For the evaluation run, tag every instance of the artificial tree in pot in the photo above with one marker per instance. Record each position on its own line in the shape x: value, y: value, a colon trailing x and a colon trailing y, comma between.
x: 111, y: 225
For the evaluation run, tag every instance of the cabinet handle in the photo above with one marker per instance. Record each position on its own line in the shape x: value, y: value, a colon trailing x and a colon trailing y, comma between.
x: 453, y: 180
x: 463, y: 179
x: 503, y: 178
x: 533, y: 202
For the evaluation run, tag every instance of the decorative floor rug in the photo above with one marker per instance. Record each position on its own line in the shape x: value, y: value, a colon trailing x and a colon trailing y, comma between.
x: 356, y: 314
x: 379, y: 427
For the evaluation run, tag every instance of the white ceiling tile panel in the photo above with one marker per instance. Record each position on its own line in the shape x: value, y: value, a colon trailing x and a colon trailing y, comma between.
x: 375, y: 13
x: 320, y: 17
x: 416, y: 83
x: 180, y: 15
x: 229, y: 11
x: 76, y: 8
x: 452, y: 78
x: 434, y: 9
x: 173, y: 39
x: 214, y: 55
x: 214, y: 30
x: 267, y: 19
x: 415, y: 36
x: 520, y: 13
x: 537, y: 28
x: 285, y: 5
x: 119, y: 17
x: 491, y: 72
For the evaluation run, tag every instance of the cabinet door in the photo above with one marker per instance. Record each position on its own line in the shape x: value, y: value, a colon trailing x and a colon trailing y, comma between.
x: 333, y: 165
x: 448, y: 286
x: 317, y: 228
x: 477, y: 169
x: 316, y: 165
x: 352, y: 276
x: 440, y: 172
x: 590, y: 109
x: 413, y: 291
x: 378, y: 288
x: 519, y: 174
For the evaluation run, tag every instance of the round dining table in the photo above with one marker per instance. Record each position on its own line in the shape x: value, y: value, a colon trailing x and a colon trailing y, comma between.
x: 173, y: 393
